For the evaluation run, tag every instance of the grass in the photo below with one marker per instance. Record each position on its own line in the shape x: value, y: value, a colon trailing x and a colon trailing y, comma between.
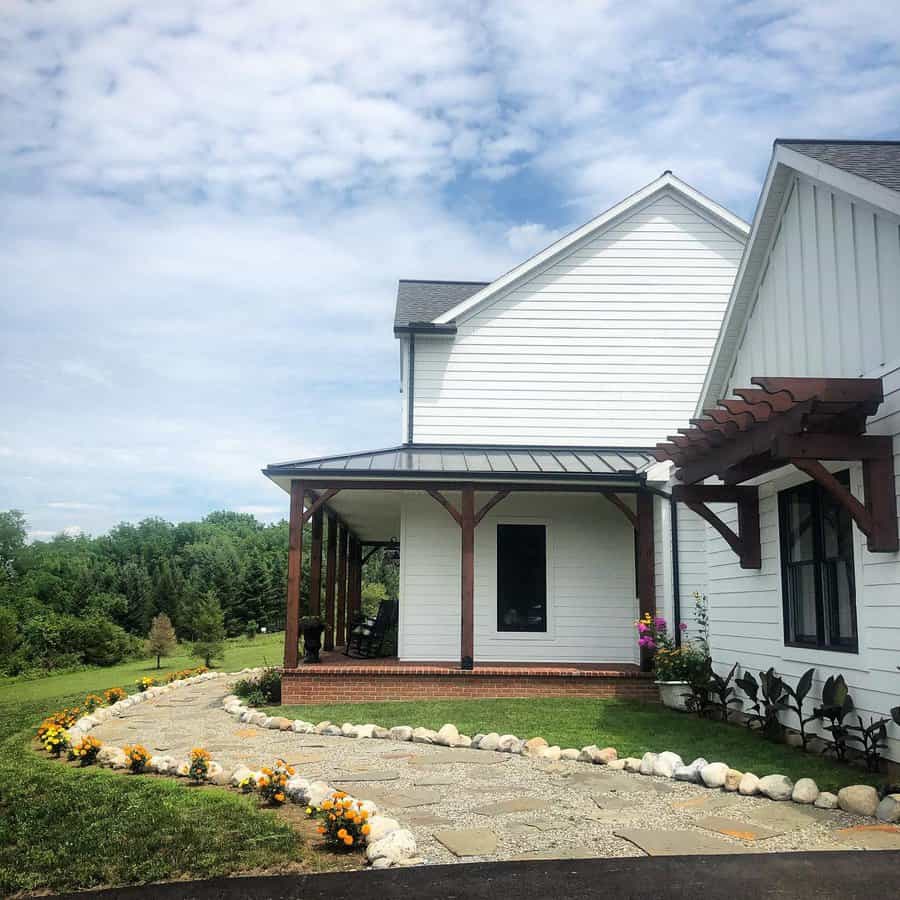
x: 64, y: 828
x: 632, y: 728
x: 240, y: 653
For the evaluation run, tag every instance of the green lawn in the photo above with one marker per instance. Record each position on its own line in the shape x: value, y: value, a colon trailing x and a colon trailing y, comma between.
x: 632, y: 728
x: 64, y: 828
x: 265, y: 649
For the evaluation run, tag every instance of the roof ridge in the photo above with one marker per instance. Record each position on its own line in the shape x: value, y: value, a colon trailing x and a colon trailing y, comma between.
x: 843, y: 141
x: 437, y: 281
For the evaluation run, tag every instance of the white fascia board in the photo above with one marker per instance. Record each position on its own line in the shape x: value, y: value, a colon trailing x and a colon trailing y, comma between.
x: 666, y: 181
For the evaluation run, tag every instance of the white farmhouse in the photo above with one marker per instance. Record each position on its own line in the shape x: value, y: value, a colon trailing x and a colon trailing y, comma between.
x: 566, y: 464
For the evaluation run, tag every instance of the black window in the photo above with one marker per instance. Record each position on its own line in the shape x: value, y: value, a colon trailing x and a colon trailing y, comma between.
x: 521, y: 578
x: 817, y: 569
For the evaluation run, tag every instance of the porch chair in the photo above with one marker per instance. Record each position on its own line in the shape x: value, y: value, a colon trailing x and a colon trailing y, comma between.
x: 367, y: 634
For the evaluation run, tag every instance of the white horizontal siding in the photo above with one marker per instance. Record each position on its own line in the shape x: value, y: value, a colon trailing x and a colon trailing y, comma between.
x: 608, y: 345
x: 591, y: 591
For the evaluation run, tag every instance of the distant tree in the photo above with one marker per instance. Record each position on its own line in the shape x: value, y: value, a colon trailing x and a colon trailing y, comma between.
x: 373, y: 593
x: 9, y: 632
x: 161, y: 640
x: 209, y: 628
x: 13, y: 533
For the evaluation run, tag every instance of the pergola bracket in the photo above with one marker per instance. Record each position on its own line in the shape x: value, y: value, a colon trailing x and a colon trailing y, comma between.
x: 746, y: 542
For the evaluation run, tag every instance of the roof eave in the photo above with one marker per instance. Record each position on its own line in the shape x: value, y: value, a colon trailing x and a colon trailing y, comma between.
x: 430, y: 328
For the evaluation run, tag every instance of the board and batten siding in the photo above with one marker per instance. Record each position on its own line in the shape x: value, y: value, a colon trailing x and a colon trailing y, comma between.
x: 591, y: 599
x: 607, y: 345
x: 828, y: 304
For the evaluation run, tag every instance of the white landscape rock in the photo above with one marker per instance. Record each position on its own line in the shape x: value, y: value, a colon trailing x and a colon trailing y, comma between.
x: 617, y: 765
x: 348, y: 729
x: 749, y: 785
x: 534, y: 745
x: 423, y: 736
x: 509, y: 743
x: 401, y: 733
x: 714, y: 774
x: 889, y: 809
x: 395, y: 847
x: 380, y: 827
x: 239, y: 774
x: 733, y: 780
x: 366, y: 731
x: 301, y: 727
x: 805, y: 791
x: 776, y: 787
x: 381, y: 734
x: 490, y: 741
x: 570, y: 753
x: 691, y: 772
x: 860, y: 799
x: 631, y: 764
x: 318, y: 792
x: 666, y: 764
x: 163, y: 765
x: 464, y: 741
x: 447, y: 735
x: 112, y: 758
x: 297, y: 788
x: 826, y: 800
x: 648, y: 763
x: 553, y: 754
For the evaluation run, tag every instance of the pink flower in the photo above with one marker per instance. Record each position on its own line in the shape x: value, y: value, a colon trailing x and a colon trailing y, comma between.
x: 683, y: 626
x: 641, y: 627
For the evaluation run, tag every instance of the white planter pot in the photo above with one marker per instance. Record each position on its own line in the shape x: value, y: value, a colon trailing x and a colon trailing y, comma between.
x: 674, y: 694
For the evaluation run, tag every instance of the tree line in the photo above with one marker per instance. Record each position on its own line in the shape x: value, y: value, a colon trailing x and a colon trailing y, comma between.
x: 81, y: 599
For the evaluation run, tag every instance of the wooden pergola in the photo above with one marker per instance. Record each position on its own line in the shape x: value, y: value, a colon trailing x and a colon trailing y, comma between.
x: 314, y: 485
x: 802, y: 422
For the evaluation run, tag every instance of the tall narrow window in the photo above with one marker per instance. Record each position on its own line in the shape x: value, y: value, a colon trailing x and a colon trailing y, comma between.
x: 817, y: 569
x: 521, y: 578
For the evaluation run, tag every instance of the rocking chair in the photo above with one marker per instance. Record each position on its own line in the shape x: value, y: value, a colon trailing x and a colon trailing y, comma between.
x: 367, y: 634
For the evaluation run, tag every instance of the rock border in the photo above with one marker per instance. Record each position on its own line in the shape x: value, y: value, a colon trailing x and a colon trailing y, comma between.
x: 387, y: 844
x: 859, y: 799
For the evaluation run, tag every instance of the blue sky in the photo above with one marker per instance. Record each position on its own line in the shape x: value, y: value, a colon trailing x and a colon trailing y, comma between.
x: 204, y: 207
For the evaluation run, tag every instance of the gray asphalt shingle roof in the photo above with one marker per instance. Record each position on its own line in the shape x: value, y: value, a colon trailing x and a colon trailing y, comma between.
x: 424, y: 301
x: 471, y: 460
x: 878, y: 161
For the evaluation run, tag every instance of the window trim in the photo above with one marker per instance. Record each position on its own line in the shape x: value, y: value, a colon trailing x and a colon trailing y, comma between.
x: 550, y: 633
x: 845, y: 476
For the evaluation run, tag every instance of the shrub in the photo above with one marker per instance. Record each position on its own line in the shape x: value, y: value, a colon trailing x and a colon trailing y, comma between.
x: 342, y: 823
x: 113, y: 695
x: 55, y: 739
x: 250, y: 629
x: 61, y: 641
x: 85, y: 750
x: 272, y: 782
x: 199, y: 767
x: 260, y: 690
x: 138, y: 757
x: 92, y: 702
x: 161, y: 640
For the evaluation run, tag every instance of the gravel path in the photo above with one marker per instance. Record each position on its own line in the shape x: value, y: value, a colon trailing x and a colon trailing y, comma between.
x: 562, y: 809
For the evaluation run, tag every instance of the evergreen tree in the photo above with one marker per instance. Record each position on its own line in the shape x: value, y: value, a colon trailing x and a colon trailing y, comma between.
x: 209, y: 627
x: 161, y: 640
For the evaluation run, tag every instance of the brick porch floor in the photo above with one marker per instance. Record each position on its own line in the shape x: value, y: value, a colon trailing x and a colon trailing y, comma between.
x: 342, y: 679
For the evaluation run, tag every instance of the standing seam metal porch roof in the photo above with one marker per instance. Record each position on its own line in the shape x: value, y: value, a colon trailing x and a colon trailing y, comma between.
x: 460, y: 461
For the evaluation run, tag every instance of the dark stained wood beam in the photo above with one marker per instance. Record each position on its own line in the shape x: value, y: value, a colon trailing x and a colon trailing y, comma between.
x: 454, y: 512
x: 295, y: 560
x: 746, y: 542
x: 467, y: 598
x: 646, y: 571
x: 315, y: 564
x: 340, y: 618
x: 370, y: 554
x: 832, y: 447
x: 330, y: 580
x: 624, y: 508
x: 564, y: 485
x: 319, y: 502
x: 500, y: 495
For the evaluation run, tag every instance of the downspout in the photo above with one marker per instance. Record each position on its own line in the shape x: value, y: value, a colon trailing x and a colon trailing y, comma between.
x: 676, y: 592
x: 410, y: 395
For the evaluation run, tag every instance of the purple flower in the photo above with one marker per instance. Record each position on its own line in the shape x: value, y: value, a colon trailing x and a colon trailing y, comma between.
x: 641, y: 627
x: 683, y: 626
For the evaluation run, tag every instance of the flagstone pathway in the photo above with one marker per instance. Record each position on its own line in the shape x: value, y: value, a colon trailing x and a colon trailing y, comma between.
x: 475, y: 805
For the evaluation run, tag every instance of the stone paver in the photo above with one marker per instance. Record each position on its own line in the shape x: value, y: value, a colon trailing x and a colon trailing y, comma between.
x: 737, y: 828
x: 677, y: 843
x: 503, y: 807
x: 436, y: 791
x: 870, y: 837
x: 468, y: 841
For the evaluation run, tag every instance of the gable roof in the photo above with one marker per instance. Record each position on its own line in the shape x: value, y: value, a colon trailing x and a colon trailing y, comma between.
x: 666, y: 183
x: 878, y: 161
x: 859, y: 162
x: 421, y: 300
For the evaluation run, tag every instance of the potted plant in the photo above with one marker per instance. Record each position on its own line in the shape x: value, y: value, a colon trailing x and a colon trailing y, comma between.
x: 675, y: 667
x: 312, y: 628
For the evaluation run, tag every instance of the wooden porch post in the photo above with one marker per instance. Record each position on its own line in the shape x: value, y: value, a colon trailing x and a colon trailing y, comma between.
x: 646, y: 575
x: 339, y: 629
x: 295, y: 565
x: 467, y: 598
x: 315, y: 564
x: 330, y: 562
x: 354, y: 589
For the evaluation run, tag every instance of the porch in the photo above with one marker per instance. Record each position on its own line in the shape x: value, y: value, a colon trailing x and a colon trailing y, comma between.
x: 522, y: 569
